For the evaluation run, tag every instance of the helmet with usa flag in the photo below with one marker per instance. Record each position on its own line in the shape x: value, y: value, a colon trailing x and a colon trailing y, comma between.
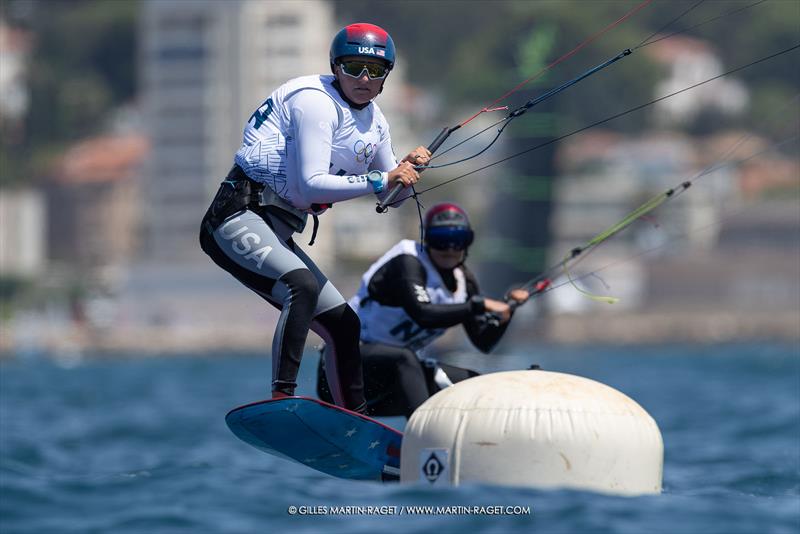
x: 363, y: 39
x: 447, y: 226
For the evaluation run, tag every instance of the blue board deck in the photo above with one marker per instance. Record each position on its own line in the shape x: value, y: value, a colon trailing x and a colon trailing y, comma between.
x: 322, y: 436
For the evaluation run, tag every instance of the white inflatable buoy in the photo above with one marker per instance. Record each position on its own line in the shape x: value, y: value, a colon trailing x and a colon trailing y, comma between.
x: 534, y: 428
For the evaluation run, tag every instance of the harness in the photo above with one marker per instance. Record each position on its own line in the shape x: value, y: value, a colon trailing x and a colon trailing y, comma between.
x: 239, y: 192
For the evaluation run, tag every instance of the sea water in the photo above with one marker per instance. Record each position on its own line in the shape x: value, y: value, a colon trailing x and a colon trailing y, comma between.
x: 139, y: 444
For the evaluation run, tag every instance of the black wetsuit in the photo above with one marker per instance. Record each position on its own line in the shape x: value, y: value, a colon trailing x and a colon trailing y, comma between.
x: 396, y: 381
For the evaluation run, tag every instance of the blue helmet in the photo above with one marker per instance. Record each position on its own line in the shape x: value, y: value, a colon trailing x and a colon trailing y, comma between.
x: 362, y: 39
x: 447, y: 227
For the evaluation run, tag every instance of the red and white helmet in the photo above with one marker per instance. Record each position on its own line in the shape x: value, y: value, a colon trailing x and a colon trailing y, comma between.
x: 362, y: 39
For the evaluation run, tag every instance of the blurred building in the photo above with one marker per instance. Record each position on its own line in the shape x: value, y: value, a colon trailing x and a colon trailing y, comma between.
x: 15, y: 47
x: 754, y: 269
x: 93, y: 204
x: 205, y: 67
x: 22, y: 233
x: 690, y: 61
x: 606, y: 177
x: 709, y: 264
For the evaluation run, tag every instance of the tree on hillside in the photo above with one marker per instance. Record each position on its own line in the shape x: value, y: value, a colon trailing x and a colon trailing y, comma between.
x: 472, y: 52
x: 83, y: 66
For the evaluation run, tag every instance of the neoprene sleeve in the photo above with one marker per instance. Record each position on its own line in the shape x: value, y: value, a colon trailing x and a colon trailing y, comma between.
x: 397, y: 283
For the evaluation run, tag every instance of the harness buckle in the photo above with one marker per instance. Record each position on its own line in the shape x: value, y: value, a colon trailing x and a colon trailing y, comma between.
x: 275, y: 205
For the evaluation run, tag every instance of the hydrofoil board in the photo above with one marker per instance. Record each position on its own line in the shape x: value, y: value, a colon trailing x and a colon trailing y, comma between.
x: 319, y: 435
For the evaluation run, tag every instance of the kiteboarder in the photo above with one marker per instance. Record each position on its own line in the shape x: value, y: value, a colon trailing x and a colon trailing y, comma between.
x: 410, y: 297
x: 315, y: 141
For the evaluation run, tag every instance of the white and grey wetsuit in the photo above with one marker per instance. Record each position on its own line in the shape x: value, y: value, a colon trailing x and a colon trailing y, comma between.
x: 312, y: 148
